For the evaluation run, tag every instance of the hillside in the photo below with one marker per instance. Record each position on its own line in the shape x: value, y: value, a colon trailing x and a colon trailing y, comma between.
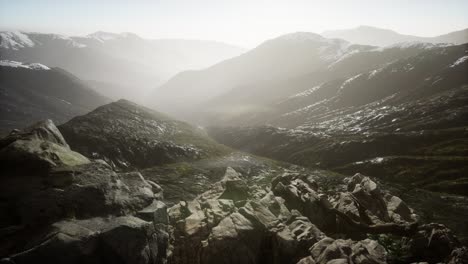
x: 131, y: 136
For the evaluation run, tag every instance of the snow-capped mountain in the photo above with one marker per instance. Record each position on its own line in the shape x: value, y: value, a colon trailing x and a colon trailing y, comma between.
x: 17, y: 64
x: 125, y: 61
x: 15, y: 40
x: 32, y: 92
x: 367, y: 35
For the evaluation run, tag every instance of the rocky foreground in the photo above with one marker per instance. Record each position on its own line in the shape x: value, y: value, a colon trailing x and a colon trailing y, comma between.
x: 58, y: 206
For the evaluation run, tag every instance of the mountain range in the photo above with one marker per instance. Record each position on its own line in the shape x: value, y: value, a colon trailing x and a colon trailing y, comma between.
x: 117, y: 65
x: 367, y: 35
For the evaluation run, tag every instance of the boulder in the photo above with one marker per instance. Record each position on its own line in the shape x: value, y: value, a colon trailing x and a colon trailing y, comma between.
x: 155, y: 212
x: 235, y: 190
x: 366, y: 203
x: 97, y: 240
x: 433, y: 243
x: 329, y: 251
x: 92, y: 189
x: 37, y: 149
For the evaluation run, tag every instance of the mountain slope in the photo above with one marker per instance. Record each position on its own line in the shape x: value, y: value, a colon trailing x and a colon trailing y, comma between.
x: 263, y: 102
x: 133, y: 64
x: 277, y: 59
x: 367, y: 35
x: 128, y: 135
x: 32, y: 92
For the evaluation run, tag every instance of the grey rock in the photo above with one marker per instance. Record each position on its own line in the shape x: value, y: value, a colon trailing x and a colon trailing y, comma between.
x: 96, y: 240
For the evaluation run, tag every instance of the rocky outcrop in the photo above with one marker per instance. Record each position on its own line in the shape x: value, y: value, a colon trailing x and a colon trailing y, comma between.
x: 40, y: 146
x: 294, y: 221
x: 58, y: 206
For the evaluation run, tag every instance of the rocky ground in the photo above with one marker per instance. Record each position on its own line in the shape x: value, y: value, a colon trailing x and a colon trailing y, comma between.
x: 59, y: 206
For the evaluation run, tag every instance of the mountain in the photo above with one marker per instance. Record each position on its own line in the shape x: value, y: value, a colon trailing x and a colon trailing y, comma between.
x: 131, y: 136
x: 431, y: 71
x: 367, y: 35
x: 130, y: 63
x: 32, y: 92
x: 277, y: 59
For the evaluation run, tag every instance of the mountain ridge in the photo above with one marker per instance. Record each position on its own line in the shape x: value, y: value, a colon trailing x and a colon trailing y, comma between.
x: 368, y: 35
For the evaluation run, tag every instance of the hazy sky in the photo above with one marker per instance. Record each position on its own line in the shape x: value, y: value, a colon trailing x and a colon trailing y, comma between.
x: 241, y: 22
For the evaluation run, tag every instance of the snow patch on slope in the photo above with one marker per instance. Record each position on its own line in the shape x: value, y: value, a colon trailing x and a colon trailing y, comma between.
x: 17, y: 64
x: 459, y: 61
x: 349, y: 81
x: 306, y: 92
x: 413, y: 44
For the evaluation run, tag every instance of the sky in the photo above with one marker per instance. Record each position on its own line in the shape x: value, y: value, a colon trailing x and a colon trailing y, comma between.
x: 245, y: 23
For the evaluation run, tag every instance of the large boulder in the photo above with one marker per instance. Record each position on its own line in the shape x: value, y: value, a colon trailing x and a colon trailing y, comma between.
x: 433, y: 243
x: 364, y: 202
x: 97, y: 240
x: 328, y: 251
x: 83, y: 191
x: 64, y: 208
x: 39, y: 147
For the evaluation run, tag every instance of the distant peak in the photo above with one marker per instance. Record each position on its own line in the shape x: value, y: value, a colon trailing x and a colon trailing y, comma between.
x: 103, y: 36
x: 368, y: 27
x: 301, y: 36
x: 125, y: 102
